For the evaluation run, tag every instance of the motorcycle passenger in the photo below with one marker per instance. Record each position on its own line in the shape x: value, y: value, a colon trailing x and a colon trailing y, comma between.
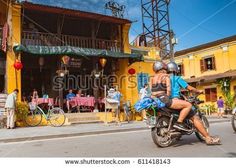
x: 161, y: 88
x: 177, y: 82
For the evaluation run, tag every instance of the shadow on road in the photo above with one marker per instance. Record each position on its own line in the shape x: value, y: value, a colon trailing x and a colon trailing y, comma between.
x: 231, y: 154
x: 185, y: 141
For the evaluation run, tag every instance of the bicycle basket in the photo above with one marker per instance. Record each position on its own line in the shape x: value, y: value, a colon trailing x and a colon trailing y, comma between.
x: 32, y: 106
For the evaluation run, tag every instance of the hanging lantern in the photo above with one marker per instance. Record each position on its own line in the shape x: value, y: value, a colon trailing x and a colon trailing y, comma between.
x: 131, y: 71
x: 18, y: 65
x: 65, y: 59
x: 103, y: 62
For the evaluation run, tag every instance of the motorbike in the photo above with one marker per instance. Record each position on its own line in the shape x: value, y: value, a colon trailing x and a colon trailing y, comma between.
x: 162, y: 131
x: 233, y: 119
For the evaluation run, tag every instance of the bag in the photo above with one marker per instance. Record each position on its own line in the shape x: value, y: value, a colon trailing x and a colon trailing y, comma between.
x: 147, y: 102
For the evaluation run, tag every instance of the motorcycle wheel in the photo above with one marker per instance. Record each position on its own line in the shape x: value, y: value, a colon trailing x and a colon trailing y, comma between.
x: 160, y: 132
x: 206, y: 125
x: 233, y: 122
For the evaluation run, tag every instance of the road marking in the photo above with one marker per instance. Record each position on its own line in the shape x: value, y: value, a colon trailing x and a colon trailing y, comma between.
x: 72, y: 137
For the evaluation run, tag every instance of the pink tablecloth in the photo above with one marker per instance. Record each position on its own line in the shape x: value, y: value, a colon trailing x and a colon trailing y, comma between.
x: 82, y: 101
x: 43, y: 100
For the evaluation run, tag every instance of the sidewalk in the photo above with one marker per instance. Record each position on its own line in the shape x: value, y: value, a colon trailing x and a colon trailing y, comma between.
x: 48, y: 132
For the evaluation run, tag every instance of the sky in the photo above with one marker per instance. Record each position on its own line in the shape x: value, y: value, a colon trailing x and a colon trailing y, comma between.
x: 194, y: 22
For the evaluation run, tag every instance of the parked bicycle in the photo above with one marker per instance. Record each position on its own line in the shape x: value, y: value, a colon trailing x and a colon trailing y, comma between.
x: 54, y: 115
x: 233, y: 119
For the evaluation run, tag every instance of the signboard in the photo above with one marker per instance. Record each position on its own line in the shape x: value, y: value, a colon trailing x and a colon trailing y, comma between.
x: 75, y: 62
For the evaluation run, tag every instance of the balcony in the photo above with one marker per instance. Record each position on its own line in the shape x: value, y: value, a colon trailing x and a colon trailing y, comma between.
x: 49, y: 39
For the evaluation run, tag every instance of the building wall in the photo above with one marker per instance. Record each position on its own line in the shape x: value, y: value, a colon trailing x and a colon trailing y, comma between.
x: 13, y: 79
x: 224, y: 60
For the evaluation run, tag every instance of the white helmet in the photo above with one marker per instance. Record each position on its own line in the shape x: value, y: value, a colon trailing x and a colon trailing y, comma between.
x: 158, y: 65
x: 172, y: 67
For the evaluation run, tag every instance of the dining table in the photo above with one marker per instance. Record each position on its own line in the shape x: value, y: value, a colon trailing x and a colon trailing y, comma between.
x: 84, y: 102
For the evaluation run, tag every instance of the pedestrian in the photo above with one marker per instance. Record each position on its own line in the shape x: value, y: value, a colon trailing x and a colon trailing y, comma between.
x: 220, y: 105
x: 117, y: 96
x: 144, y: 93
x: 11, y: 107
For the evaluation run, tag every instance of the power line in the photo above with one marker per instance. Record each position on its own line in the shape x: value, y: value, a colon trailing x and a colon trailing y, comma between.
x: 194, y: 23
x: 206, y: 19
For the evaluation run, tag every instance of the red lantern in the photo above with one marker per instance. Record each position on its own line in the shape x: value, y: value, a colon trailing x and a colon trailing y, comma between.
x: 18, y: 65
x: 131, y: 71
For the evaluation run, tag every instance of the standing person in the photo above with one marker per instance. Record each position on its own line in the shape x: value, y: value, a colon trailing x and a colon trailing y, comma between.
x: 117, y: 96
x: 10, y: 107
x: 177, y: 82
x: 69, y: 96
x: 220, y: 105
x: 144, y: 93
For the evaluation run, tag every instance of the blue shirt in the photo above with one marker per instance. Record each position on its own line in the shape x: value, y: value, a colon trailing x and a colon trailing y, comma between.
x: 69, y: 96
x: 177, y: 82
x: 117, y: 96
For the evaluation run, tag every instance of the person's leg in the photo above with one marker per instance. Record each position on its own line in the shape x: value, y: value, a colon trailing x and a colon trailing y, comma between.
x: 12, y: 122
x: 200, y: 127
x: 8, y: 118
x: 68, y: 105
x: 181, y: 104
x: 222, y: 112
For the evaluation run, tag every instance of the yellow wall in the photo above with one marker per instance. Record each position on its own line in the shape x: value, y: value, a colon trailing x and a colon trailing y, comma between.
x: 225, y: 60
x: 14, y: 21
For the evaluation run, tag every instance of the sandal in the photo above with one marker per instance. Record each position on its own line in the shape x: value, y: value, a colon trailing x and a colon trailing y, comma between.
x: 213, y: 140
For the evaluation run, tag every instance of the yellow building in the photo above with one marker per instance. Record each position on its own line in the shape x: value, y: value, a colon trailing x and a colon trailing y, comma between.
x: 40, y: 44
x: 205, y: 65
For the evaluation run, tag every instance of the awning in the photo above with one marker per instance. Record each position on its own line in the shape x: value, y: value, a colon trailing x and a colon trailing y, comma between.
x: 69, y: 50
x: 231, y: 73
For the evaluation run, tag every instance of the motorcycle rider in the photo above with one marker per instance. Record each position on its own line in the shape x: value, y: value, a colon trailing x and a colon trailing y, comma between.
x: 177, y: 82
x: 161, y: 88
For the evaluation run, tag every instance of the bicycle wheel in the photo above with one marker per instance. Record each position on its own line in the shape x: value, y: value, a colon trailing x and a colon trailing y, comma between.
x: 33, y: 118
x: 57, y: 117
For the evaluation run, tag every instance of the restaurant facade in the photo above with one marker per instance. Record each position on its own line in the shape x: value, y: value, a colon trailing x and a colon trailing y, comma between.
x: 54, y: 49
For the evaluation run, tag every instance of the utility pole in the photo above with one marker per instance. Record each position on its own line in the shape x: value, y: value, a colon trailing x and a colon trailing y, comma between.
x: 156, y: 27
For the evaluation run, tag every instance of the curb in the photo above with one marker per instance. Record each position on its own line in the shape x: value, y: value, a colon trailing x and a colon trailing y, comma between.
x: 9, y: 140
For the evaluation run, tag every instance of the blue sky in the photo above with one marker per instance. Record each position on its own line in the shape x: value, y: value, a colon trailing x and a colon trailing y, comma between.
x: 194, y: 21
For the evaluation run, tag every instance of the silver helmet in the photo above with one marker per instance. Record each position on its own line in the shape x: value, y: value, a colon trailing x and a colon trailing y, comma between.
x: 158, y: 65
x: 172, y: 67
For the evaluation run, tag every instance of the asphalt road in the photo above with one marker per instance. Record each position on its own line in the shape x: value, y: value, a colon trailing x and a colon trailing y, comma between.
x: 123, y: 144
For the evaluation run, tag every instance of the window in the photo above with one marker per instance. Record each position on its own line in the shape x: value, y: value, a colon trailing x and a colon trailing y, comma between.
x: 181, y: 69
x: 207, y: 64
x: 234, y: 88
x: 211, y: 94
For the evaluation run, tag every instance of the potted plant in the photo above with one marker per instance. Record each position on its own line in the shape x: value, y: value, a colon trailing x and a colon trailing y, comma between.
x: 229, y: 103
x: 22, y: 109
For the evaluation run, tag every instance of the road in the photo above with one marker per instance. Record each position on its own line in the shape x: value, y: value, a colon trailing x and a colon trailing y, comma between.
x: 123, y: 144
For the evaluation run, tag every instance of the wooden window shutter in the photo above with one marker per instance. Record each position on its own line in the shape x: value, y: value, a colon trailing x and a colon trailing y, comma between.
x: 207, y: 95
x: 182, y: 67
x: 202, y: 65
x: 213, y: 63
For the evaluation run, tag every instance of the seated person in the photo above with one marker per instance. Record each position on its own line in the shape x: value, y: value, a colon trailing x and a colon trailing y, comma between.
x: 69, y: 96
x: 79, y: 93
x: 177, y: 83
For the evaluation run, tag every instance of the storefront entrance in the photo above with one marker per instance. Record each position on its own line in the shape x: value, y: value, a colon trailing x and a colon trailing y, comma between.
x: 2, y: 74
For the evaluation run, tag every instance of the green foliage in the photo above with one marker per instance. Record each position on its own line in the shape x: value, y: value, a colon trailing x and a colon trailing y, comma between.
x: 22, y: 110
x: 209, y: 108
x: 224, y: 85
x: 229, y: 101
